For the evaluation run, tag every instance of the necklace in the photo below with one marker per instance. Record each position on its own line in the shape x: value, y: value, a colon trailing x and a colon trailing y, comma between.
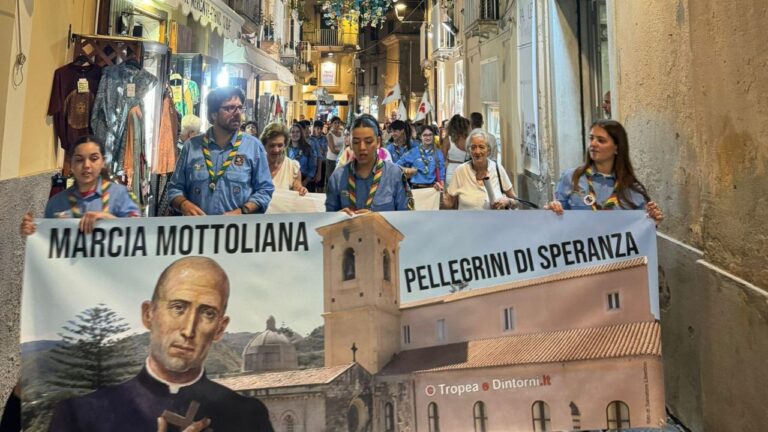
x: 77, y: 213
x: 214, y: 177
x: 591, y: 198
x: 377, y: 172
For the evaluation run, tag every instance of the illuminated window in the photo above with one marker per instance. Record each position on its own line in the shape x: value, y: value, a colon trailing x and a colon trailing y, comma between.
x: 406, y: 334
x: 440, y: 330
x: 541, y: 419
x: 618, y: 415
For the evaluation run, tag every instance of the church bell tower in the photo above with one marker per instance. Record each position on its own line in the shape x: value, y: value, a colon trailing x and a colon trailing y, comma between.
x: 361, y: 291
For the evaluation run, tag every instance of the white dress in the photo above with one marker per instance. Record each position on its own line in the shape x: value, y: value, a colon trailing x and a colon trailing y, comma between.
x: 289, y: 171
x: 471, y: 193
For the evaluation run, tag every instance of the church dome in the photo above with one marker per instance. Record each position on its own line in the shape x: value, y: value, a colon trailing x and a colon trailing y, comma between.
x: 269, y: 351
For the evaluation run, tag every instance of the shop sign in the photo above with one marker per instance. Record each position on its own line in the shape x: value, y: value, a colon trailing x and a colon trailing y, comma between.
x: 216, y: 14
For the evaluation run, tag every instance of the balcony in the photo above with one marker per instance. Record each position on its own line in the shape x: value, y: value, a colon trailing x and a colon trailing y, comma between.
x: 330, y: 39
x: 481, y: 16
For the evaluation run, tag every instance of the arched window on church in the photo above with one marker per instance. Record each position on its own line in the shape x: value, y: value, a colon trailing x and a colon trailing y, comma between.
x: 433, y: 418
x: 481, y: 417
x: 288, y: 424
x: 618, y: 415
x: 389, y: 417
x: 542, y: 421
x: 353, y: 418
x: 348, y: 264
x: 386, y: 262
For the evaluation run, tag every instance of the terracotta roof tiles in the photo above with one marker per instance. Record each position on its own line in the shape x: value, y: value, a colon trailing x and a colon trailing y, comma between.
x: 623, y: 340
x: 292, y: 378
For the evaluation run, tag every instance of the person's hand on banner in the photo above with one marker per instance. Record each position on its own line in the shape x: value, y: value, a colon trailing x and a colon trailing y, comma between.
x: 438, y: 186
x: 302, y: 191
x: 198, y: 426
x: 188, y: 208
x: 654, y: 212
x: 28, y: 226
x: 555, y: 206
x: 351, y: 212
x: 88, y: 221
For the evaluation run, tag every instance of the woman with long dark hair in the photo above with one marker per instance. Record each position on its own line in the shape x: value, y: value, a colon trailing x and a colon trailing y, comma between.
x: 606, y: 180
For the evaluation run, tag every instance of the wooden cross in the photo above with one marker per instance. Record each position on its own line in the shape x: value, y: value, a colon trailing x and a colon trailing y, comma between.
x: 183, y: 422
x: 354, y: 352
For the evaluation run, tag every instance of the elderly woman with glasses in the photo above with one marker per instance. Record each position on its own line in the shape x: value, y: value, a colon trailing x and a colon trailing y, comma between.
x: 424, y: 164
x: 479, y: 184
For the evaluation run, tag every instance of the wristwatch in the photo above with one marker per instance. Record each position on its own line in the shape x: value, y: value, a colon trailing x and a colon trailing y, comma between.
x: 245, y: 210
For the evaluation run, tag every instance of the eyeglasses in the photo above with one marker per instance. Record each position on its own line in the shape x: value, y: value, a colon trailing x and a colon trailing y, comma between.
x: 232, y: 108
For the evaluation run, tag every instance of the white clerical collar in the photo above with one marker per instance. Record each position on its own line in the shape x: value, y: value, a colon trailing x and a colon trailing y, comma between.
x: 172, y: 387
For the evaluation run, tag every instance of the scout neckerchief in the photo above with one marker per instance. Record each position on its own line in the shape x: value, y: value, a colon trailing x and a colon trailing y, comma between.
x: 591, y: 199
x: 378, y: 170
x: 399, y: 150
x: 425, y: 158
x: 77, y: 213
x: 295, y: 153
x: 214, y: 177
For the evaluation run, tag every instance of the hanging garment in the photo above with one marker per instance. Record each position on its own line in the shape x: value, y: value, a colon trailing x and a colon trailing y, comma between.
x: 72, y: 99
x: 122, y: 88
x: 191, y: 95
x: 165, y: 153
x: 135, y: 163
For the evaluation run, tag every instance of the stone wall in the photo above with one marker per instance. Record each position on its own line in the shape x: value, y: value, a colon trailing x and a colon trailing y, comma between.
x: 19, y: 196
x: 692, y: 95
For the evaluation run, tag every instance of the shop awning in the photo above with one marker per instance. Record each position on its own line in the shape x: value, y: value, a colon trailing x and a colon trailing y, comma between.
x: 213, y: 13
x: 266, y: 67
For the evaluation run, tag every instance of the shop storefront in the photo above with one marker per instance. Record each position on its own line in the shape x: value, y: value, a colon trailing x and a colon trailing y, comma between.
x: 153, y: 63
x: 267, y: 82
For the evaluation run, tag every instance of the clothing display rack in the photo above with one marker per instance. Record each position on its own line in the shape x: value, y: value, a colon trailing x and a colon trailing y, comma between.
x: 107, y: 50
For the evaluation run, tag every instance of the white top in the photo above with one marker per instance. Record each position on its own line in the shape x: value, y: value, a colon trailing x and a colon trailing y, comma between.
x: 338, y: 144
x: 289, y: 171
x: 456, y: 157
x: 470, y: 192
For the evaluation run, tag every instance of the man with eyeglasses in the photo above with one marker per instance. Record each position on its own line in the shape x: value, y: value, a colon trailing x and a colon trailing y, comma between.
x: 223, y: 171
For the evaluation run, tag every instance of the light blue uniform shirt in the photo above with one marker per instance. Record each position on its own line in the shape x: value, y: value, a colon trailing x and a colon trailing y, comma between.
x: 391, y: 195
x: 396, y: 152
x: 413, y: 159
x: 246, y: 180
x: 307, y: 162
x: 603, y: 185
x: 120, y: 202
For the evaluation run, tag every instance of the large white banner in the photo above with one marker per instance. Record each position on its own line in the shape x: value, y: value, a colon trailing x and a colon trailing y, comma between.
x: 315, y: 270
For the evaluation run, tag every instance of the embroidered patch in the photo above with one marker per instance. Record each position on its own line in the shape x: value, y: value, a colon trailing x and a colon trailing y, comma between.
x: 236, y: 190
x: 239, y: 160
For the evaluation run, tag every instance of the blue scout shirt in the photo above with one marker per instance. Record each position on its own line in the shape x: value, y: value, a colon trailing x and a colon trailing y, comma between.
x: 320, y: 144
x: 246, y: 179
x: 396, y: 152
x: 391, y: 195
x: 307, y: 162
x: 603, y: 185
x: 120, y: 202
x: 413, y: 159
